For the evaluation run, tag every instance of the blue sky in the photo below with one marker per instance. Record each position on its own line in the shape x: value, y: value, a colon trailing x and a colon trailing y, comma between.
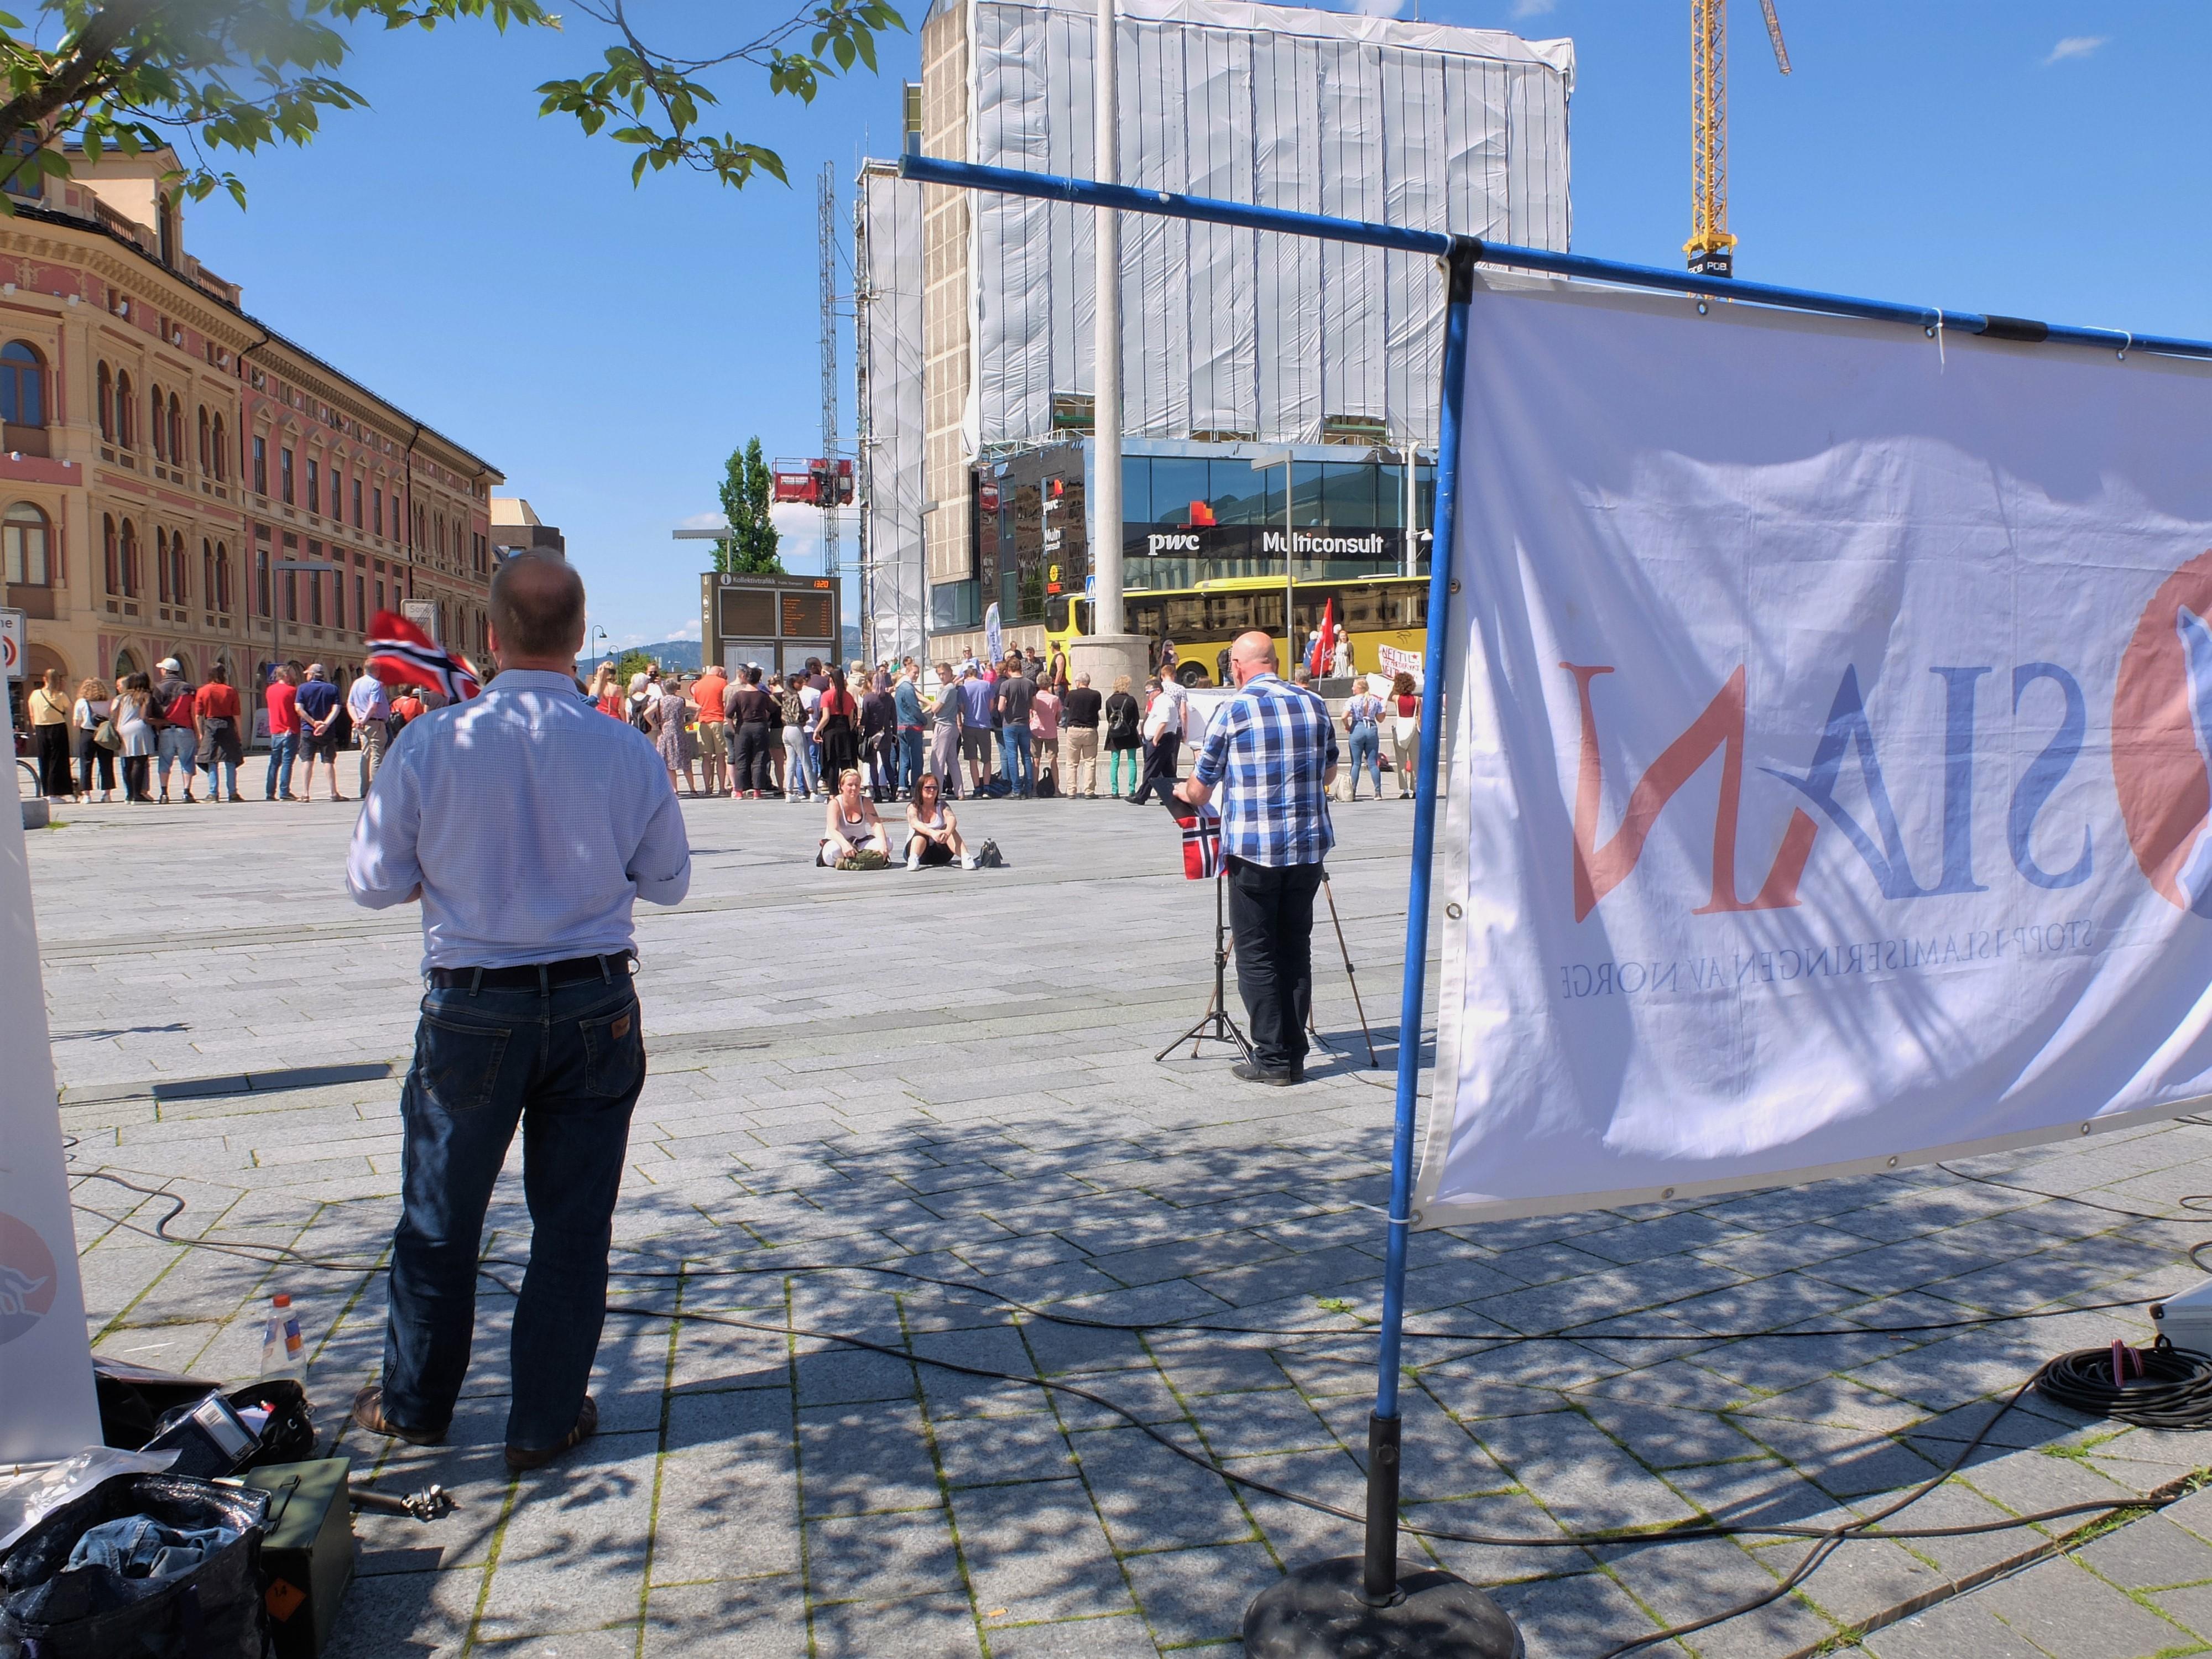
x: 496, y: 275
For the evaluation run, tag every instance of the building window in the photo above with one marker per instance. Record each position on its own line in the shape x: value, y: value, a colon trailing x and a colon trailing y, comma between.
x: 222, y: 451
x: 360, y: 603
x: 207, y: 571
x: 180, y: 571
x: 126, y: 414
x: 134, y: 579
x: 314, y: 588
x: 176, y: 431
x: 261, y: 580
x: 207, y: 442
x: 159, y: 429
x: 105, y: 382
x: 284, y: 473
x: 22, y: 384
x: 109, y: 548
x: 380, y: 603
x: 24, y: 534
x: 292, y: 596
x: 161, y: 563
x: 222, y: 578
x: 356, y: 500
x: 376, y: 498
x: 314, y: 488
x: 260, y: 465
x: 338, y: 600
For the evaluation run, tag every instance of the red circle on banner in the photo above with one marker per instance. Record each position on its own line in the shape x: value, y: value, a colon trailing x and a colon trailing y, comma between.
x: 2158, y: 766
x: 26, y: 1277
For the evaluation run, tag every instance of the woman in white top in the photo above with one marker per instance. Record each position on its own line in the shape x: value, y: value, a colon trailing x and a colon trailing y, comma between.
x: 932, y: 833
x: 852, y: 825
x: 93, y: 701
x: 133, y: 700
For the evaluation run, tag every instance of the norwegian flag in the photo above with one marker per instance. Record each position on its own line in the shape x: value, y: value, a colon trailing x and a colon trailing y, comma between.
x: 1201, y: 837
x: 400, y: 654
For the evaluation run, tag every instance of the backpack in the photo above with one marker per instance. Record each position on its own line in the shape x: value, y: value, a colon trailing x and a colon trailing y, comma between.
x: 1046, y: 788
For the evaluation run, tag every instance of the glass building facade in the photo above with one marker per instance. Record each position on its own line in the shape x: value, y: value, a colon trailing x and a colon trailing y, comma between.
x: 1190, y: 513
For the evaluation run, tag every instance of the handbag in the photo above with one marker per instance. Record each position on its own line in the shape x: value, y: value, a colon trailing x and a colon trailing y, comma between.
x: 106, y: 736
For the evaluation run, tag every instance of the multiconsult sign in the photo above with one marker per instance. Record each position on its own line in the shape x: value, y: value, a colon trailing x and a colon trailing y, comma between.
x: 1833, y: 757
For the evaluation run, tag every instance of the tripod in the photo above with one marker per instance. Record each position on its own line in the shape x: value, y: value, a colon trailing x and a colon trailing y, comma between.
x: 1216, y: 1023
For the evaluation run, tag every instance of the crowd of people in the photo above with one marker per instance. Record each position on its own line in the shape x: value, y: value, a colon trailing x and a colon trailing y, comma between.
x: 1022, y: 728
x: 150, y: 733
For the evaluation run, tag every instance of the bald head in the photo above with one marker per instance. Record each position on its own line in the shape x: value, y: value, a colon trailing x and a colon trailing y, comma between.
x: 537, y: 610
x: 1251, y: 654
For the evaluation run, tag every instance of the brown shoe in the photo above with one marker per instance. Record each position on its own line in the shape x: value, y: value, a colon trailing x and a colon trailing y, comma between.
x: 520, y: 1458
x: 369, y: 1414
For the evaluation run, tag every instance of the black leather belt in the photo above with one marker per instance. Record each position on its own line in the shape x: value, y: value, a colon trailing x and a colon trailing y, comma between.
x: 533, y: 975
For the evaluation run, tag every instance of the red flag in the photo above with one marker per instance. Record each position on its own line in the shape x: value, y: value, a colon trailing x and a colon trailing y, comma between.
x: 1321, y: 656
x: 400, y: 654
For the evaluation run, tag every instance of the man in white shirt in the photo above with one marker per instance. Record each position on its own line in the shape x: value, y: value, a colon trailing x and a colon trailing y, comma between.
x: 1164, y: 727
x: 530, y: 1019
x: 370, y: 706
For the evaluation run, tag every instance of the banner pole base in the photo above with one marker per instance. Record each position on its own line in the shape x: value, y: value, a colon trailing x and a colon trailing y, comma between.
x: 1375, y: 1606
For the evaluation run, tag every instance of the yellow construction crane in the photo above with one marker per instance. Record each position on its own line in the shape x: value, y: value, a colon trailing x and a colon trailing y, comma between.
x: 1712, y: 247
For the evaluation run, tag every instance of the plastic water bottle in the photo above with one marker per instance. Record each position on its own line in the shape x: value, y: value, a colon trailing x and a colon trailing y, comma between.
x: 284, y: 1353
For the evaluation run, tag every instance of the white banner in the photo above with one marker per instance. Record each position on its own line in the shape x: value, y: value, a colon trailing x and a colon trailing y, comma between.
x: 1831, y: 779
x: 46, y: 1406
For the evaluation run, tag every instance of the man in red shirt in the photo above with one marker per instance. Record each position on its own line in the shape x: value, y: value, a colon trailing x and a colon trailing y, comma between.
x: 713, y: 734
x: 281, y: 698
x: 216, y: 719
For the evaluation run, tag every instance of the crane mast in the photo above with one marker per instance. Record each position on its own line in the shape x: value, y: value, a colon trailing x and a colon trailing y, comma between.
x: 1711, y: 246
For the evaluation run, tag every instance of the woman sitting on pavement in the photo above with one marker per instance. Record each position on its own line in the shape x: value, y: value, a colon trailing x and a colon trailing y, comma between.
x: 932, y: 832
x: 852, y: 826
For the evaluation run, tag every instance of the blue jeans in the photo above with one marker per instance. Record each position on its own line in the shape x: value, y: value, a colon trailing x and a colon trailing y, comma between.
x: 1021, y: 761
x: 283, y: 749
x: 567, y: 1064
x: 911, y: 764
x: 1366, y: 746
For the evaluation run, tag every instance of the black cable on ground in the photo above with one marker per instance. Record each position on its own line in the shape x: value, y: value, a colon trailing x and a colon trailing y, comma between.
x: 2160, y: 1388
x: 278, y: 1255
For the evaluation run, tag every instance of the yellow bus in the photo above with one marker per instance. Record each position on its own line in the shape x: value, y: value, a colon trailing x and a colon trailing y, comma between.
x: 1200, y: 622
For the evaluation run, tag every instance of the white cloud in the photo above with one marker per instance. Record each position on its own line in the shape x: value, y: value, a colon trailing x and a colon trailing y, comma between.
x: 2075, y: 45
x: 1534, y: 8
x: 702, y: 521
x: 1380, y: 7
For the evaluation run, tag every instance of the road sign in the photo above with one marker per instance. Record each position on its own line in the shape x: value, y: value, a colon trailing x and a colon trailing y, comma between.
x: 423, y: 613
x: 11, y: 645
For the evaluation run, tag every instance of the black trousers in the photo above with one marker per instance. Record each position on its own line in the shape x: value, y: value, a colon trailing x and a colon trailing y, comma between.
x: 53, y: 751
x: 750, y: 761
x: 1160, y: 766
x: 1271, y: 918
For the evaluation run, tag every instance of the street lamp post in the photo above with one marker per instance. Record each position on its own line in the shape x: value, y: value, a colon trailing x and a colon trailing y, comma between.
x: 598, y: 633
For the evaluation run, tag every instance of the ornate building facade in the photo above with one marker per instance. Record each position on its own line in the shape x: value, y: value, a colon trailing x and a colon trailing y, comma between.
x: 163, y: 455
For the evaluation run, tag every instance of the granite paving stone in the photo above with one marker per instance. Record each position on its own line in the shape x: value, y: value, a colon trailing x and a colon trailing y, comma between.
x: 768, y: 1493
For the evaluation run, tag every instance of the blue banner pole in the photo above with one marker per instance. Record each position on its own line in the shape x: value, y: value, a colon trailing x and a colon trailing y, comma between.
x: 1380, y: 1577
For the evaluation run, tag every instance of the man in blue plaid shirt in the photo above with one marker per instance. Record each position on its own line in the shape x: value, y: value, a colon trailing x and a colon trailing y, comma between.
x: 1271, y: 753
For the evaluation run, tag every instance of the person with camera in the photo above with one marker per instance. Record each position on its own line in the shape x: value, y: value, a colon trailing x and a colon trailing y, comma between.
x: 1270, y: 754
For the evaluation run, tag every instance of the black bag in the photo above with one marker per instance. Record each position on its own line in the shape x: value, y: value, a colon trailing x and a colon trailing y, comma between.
x: 1046, y: 787
x: 212, y: 1611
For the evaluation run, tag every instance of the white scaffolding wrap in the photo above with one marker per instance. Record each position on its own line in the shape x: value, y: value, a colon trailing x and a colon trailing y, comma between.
x: 887, y: 264
x: 1227, y: 331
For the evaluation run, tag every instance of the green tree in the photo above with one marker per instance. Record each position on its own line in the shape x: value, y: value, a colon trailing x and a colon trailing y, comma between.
x: 748, y: 494
x: 632, y: 661
x: 201, y: 76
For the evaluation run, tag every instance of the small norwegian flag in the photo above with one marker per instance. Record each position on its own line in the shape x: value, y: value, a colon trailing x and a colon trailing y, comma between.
x: 400, y: 654
x: 1321, y: 656
x: 1201, y: 837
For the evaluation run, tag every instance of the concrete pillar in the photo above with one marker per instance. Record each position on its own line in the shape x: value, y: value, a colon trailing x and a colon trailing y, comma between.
x: 1108, y: 651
